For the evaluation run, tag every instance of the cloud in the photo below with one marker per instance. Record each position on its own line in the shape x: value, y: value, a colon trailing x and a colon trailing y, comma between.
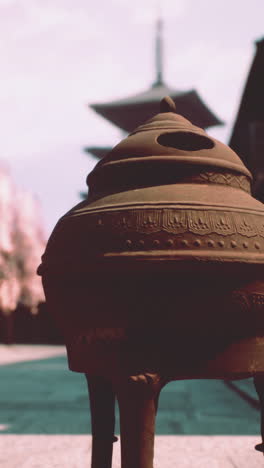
x: 29, y: 18
x: 7, y: 3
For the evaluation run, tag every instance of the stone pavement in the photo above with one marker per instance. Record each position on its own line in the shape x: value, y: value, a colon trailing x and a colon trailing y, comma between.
x: 72, y: 451
x: 18, y: 353
x: 45, y: 422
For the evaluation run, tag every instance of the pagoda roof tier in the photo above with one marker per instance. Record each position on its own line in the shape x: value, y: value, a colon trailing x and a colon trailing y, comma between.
x: 129, y: 113
x: 98, y: 151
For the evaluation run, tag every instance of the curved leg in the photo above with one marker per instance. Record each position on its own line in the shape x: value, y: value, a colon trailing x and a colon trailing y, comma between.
x: 156, y: 400
x: 137, y: 398
x: 259, y: 385
x: 102, y: 405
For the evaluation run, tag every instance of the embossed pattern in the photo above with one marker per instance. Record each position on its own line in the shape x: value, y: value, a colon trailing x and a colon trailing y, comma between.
x: 233, y: 180
x: 176, y: 221
x: 248, y: 302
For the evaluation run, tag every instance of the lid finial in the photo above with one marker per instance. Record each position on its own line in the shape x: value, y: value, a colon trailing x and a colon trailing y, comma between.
x: 167, y: 105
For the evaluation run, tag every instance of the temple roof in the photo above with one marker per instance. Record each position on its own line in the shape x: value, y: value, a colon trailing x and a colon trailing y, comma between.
x: 251, y: 110
x: 130, y: 112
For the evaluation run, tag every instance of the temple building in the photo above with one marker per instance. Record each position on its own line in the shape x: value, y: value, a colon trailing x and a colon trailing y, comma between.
x: 247, y: 138
x: 130, y: 112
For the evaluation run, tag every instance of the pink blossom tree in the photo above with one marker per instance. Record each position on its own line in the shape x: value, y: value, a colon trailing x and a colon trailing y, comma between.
x: 22, y: 243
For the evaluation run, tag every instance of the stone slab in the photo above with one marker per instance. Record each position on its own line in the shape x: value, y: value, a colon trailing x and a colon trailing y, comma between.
x: 57, y: 451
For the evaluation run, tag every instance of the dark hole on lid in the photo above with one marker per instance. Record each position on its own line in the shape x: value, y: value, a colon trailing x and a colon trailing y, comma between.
x: 186, y: 141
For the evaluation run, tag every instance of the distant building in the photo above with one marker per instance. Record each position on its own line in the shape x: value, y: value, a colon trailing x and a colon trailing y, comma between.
x: 247, y: 138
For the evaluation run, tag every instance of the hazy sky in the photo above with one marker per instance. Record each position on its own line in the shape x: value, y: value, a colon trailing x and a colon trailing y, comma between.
x: 57, y: 56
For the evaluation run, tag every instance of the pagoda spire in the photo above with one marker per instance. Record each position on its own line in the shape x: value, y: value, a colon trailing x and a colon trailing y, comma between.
x: 159, y: 52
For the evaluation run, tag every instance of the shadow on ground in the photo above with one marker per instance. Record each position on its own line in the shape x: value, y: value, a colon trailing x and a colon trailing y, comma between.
x: 43, y: 397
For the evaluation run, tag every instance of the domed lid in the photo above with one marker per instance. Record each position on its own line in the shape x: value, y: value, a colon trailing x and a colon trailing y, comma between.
x: 169, y: 138
x: 167, y: 194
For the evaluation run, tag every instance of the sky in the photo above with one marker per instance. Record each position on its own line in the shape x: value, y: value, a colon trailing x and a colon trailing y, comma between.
x: 59, y: 56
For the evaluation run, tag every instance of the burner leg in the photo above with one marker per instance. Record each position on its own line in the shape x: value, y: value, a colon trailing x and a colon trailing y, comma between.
x: 102, y: 406
x: 137, y: 398
x: 259, y: 385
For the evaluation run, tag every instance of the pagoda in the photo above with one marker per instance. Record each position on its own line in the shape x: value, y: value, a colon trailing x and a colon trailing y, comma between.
x: 247, y: 137
x: 130, y: 112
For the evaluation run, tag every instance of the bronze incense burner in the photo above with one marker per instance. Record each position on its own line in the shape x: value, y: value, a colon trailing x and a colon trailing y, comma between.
x: 158, y: 276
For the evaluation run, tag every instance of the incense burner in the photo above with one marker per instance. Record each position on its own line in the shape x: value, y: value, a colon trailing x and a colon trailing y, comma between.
x: 158, y: 275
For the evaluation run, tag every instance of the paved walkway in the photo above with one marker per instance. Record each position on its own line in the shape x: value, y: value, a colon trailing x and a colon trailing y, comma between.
x: 170, y: 452
x: 45, y: 422
x: 18, y: 353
